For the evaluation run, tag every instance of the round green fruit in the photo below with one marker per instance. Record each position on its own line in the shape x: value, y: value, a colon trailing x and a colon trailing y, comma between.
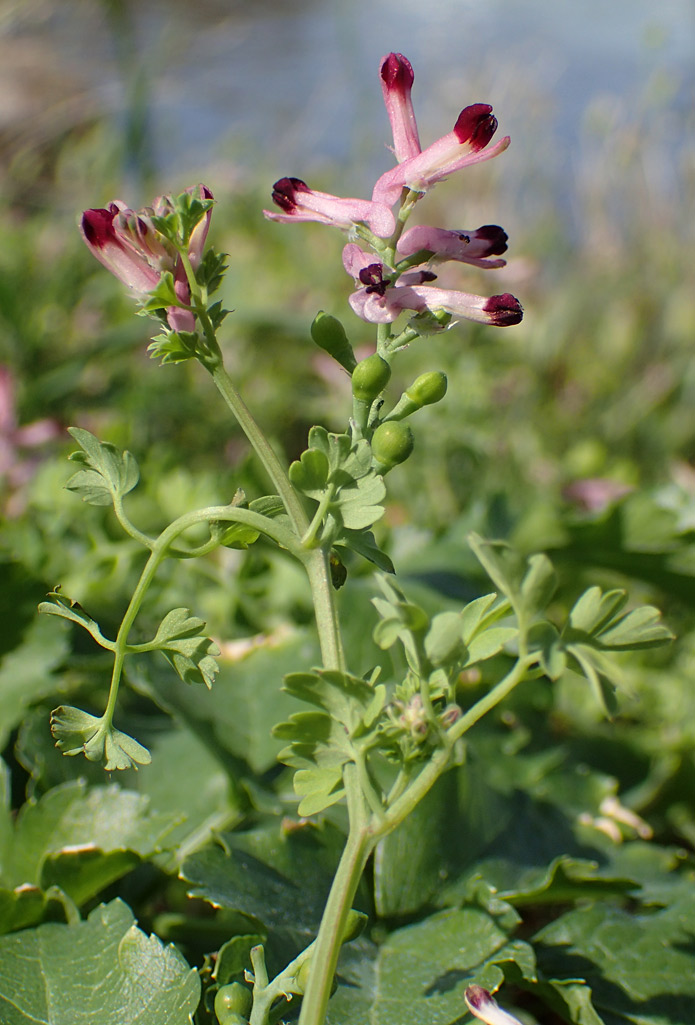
x: 392, y: 443
x: 232, y: 1004
x: 370, y: 377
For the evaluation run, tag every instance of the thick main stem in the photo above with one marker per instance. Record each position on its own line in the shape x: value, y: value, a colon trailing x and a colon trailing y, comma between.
x: 359, y: 845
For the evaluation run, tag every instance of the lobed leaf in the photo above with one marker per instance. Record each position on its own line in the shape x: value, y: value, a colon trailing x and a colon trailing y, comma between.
x: 108, y: 472
x: 101, y: 970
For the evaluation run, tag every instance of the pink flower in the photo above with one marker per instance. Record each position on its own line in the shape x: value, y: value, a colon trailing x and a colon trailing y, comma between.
x: 300, y: 203
x: 127, y: 243
x: 396, y: 82
x: 474, y: 247
x: 379, y: 300
x: 484, y: 1007
x: 17, y: 466
x: 465, y: 144
x: 383, y: 305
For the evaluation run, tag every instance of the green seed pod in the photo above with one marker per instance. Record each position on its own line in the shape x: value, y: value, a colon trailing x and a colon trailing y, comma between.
x: 392, y: 443
x: 233, y: 1003
x: 369, y: 378
x: 329, y: 335
x: 427, y: 388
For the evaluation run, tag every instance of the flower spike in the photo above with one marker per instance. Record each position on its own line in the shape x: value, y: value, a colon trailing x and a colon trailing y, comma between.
x: 397, y: 76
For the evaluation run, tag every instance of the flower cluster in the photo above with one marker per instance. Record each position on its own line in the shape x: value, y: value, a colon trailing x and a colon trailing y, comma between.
x: 396, y: 273
x: 130, y: 244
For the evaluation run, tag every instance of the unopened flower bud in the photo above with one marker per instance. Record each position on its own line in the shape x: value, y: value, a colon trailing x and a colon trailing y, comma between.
x: 233, y: 1004
x: 329, y: 335
x: 392, y: 443
x: 427, y: 389
x: 370, y: 377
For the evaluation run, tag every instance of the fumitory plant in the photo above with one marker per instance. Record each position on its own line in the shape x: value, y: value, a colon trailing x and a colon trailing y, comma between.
x: 369, y: 742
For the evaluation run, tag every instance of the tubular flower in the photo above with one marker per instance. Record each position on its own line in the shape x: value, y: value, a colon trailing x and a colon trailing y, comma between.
x: 379, y: 300
x: 465, y: 144
x: 474, y: 247
x: 300, y: 203
x: 127, y: 243
x: 396, y: 82
x: 484, y: 1007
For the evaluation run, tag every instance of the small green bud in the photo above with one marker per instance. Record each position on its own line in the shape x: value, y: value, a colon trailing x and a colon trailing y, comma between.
x: 370, y: 377
x: 233, y: 1003
x: 329, y: 335
x: 427, y: 388
x: 392, y: 443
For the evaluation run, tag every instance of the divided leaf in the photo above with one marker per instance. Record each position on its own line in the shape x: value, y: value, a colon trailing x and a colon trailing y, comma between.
x: 107, y: 474
x: 60, y: 605
x: 77, y: 732
x: 190, y: 652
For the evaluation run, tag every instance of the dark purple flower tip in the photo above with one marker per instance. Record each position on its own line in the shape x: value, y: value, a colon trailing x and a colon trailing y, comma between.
x: 97, y: 227
x: 397, y: 71
x: 496, y: 238
x: 284, y: 191
x: 477, y: 997
x: 476, y: 125
x: 504, y: 310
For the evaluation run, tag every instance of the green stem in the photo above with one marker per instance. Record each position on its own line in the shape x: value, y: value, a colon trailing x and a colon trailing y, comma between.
x: 316, y: 564
x: 359, y: 846
x: 273, y: 467
x: 129, y: 527
x: 159, y: 551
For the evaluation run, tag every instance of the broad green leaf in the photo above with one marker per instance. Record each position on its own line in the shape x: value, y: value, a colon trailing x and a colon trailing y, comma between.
x: 280, y: 877
x: 187, y: 781
x: 420, y: 973
x: 24, y: 906
x: 102, y: 970
x: 28, y: 674
x: 108, y: 473
x: 82, y: 839
x: 640, y: 967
